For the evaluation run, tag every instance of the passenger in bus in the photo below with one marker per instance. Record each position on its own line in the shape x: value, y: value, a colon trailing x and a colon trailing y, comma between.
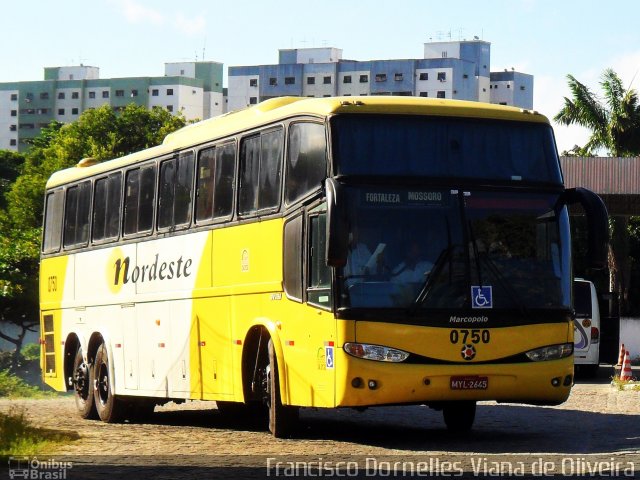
x: 414, y: 268
x: 358, y: 256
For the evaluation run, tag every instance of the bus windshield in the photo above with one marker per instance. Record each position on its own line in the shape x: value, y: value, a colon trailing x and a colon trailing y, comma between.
x: 423, y: 249
x: 438, y: 147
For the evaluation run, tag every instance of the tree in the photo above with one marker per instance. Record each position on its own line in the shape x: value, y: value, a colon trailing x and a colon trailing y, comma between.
x: 100, y: 133
x: 10, y: 167
x: 614, y: 122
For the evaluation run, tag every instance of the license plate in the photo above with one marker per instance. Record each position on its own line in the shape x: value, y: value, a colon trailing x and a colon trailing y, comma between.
x: 469, y: 382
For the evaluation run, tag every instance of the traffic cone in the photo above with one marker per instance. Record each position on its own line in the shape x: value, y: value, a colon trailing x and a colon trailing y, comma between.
x: 626, y: 373
x: 621, y: 356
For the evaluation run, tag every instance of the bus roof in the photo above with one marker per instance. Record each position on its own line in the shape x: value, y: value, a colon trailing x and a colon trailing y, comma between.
x: 285, y: 107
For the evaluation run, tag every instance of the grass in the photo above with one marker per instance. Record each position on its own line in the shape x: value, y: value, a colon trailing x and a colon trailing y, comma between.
x: 19, y: 437
x: 620, y: 384
x: 12, y: 386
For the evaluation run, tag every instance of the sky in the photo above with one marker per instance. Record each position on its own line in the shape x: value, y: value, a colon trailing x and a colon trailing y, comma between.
x: 125, y: 38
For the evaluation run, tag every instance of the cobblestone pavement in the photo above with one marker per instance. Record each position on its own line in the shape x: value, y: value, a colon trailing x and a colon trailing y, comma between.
x: 596, y: 424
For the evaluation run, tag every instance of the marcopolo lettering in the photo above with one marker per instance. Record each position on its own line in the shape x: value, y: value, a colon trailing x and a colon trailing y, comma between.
x: 165, y: 270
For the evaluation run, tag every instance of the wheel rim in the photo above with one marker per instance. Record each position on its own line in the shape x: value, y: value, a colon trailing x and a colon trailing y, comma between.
x: 81, y: 383
x: 103, y: 383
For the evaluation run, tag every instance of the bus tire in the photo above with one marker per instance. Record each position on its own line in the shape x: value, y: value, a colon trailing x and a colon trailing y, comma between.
x: 110, y: 408
x: 459, y: 416
x: 282, y: 418
x: 83, y: 387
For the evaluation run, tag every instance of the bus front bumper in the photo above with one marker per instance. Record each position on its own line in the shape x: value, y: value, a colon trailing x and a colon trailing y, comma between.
x: 368, y: 383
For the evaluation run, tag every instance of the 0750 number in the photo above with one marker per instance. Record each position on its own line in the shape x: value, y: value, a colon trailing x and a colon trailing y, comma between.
x: 464, y: 335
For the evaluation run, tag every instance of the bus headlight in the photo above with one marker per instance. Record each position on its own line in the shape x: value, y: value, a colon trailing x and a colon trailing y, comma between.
x: 552, y: 352
x: 375, y: 352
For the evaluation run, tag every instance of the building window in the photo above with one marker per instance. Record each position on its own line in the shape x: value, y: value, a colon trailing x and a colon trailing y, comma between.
x: 60, y: 95
x: 44, y: 96
x: 13, y: 128
x: 442, y: 76
x: 424, y: 94
x: 465, y: 76
x: 74, y: 111
x: 441, y: 94
x: 75, y: 95
x: 444, y: 54
x: 253, y: 82
x: 105, y: 94
x: 521, y: 87
x: 155, y: 92
x: 61, y: 111
x: 364, y: 78
x: 42, y: 111
x: 289, y: 80
x: 326, y: 80
x: 253, y: 100
x: 424, y: 76
x: 134, y: 93
x: 92, y: 94
x: 170, y: 108
x: 398, y: 77
x: 508, y: 85
x: 169, y: 92
x: 14, y: 113
x: 273, y: 81
x: 14, y: 97
x: 381, y: 77
x: 13, y: 142
x: 119, y: 93
x: 503, y: 103
x: 311, y: 80
x: 495, y: 86
x: 346, y: 79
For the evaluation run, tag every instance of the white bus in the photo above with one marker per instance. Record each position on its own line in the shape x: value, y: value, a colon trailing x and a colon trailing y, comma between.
x: 586, y: 327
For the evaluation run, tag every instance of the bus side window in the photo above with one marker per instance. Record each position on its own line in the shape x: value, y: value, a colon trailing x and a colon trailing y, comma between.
x: 53, y: 221
x: 319, y: 275
x: 270, y: 170
x: 306, y: 160
x: 249, y: 167
x: 292, y: 261
x: 139, y: 199
x: 147, y: 198
x: 260, y: 172
x: 131, y: 201
x: 76, y: 215
x: 225, y: 175
x: 106, y: 207
x: 204, y: 184
x: 182, y: 195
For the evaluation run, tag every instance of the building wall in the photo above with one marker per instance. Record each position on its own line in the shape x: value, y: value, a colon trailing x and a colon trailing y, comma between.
x: 512, y: 88
x: 9, y: 122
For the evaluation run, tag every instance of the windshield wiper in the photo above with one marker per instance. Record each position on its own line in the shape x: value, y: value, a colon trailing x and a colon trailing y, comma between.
x: 425, y: 290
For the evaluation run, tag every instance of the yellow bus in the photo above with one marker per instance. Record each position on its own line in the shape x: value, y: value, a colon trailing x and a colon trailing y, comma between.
x: 334, y: 252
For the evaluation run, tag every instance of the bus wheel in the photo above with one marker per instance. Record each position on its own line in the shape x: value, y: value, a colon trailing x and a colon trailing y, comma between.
x: 109, y: 406
x: 459, y: 416
x: 82, y: 385
x: 282, y: 418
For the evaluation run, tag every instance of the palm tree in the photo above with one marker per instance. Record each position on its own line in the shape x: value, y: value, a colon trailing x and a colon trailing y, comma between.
x: 614, y: 121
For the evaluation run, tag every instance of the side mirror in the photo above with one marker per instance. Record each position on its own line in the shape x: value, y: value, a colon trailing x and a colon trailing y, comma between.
x: 337, y: 230
x: 597, y: 224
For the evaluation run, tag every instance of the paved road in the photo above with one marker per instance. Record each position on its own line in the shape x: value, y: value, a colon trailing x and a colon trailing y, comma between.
x: 597, y: 427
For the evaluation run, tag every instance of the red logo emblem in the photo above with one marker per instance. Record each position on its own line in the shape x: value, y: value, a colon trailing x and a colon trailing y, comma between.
x: 468, y: 352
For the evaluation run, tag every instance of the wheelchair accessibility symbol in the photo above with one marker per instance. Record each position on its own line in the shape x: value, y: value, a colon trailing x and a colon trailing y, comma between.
x: 481, y: 297
x: 329, y: 357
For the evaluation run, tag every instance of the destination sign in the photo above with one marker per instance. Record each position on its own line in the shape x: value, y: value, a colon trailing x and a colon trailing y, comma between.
x: 399, y: 198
